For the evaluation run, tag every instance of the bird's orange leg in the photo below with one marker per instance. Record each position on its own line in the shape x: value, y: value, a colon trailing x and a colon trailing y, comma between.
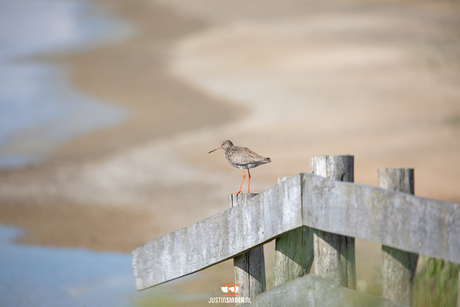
x: 241, y: 185
x: 249, y: 180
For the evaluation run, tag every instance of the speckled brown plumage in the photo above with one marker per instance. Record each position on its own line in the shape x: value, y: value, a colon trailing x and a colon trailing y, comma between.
x: 242, y: 158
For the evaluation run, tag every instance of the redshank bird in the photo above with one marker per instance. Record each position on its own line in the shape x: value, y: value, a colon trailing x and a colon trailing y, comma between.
x: 242, y: 158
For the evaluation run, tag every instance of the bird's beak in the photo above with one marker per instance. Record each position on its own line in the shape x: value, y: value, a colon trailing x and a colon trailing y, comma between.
x: 215, y: 149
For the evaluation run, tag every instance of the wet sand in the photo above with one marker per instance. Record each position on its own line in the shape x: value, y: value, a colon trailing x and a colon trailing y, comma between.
x: 375, y: 79
x: 135, y: 74
x: 132, y: 73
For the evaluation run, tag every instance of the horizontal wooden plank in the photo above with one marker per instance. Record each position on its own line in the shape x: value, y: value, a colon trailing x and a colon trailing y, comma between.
x: 395, y: 219
x: 403, y: 221
x: 220, y: 237
x: 312, y: 290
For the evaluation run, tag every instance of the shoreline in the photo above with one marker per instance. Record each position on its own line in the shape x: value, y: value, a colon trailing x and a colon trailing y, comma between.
x: 152, y: 166
x: 324, y: 85
x: 132, y: 73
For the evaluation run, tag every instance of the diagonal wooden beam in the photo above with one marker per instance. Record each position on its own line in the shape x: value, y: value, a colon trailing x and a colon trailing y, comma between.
x: 220, y: 237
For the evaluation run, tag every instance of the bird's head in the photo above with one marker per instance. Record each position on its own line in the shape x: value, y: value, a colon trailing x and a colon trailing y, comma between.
x: 224, y: 145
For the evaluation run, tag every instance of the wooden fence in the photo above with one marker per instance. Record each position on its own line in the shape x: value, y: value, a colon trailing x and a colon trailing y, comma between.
x: 312, y: 216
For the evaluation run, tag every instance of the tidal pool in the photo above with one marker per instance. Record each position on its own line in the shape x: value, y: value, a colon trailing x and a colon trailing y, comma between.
x: 39, y: 108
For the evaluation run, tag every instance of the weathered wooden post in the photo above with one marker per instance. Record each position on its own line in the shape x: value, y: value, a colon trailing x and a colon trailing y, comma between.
x: 249, y: 267
x: 398, y: 267
x: 334, y: 254
x: 293, y: 254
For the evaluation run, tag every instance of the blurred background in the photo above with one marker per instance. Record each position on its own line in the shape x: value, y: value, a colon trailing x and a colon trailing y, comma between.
x: 108, y: 109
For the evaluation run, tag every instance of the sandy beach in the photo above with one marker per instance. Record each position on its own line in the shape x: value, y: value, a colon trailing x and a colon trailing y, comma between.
x: 376, y: 79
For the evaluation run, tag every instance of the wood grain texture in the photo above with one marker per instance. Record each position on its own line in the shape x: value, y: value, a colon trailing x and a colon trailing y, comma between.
x: 399, y: 220
x: 391, y: 218
x: 220, y: 237
x: 397, y: 179
x: 312, y: 290
x: 340, y: 167
x: 249, y: 267
x: 293, y: 253
x: 334, y: 254
x: 335, y: 258
x: 398, y: 267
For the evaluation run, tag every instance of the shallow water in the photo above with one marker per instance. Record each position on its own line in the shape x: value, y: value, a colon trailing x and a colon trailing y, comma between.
x: 39, y: 108
x: 43, y: 276
x: 48, y: 277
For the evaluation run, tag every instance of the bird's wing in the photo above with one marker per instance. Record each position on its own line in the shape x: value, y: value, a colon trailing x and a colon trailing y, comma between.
x: 245, y: 155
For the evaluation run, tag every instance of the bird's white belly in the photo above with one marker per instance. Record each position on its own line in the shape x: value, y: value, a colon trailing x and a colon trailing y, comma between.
x: 245, y: 166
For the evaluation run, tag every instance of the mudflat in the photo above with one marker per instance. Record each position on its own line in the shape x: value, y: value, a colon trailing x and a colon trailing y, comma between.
x: 376, y: 79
